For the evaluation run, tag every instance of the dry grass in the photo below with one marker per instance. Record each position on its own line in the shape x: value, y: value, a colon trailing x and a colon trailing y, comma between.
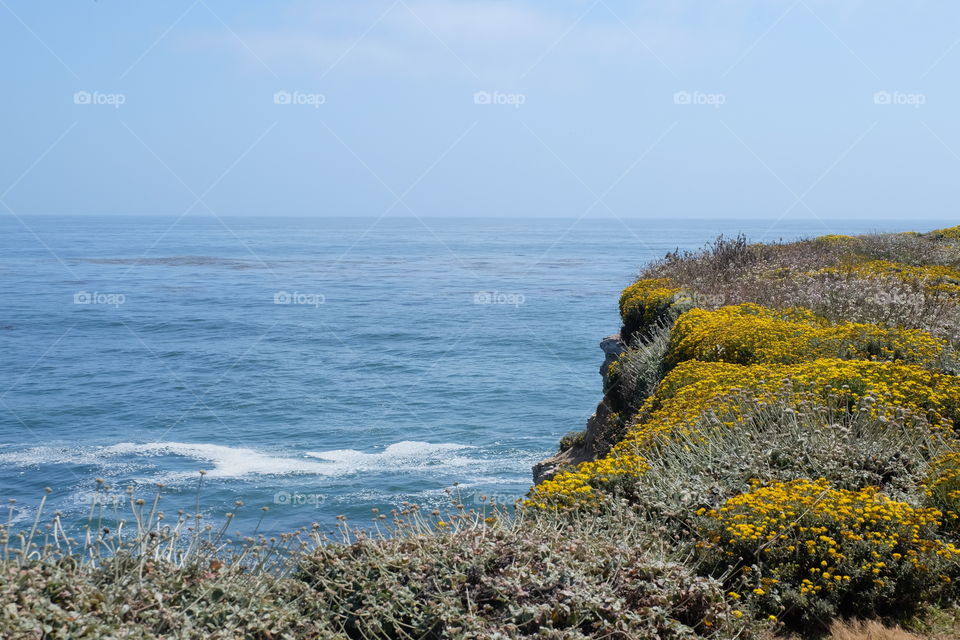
x: 732, y: 271
x: 868, y: 630
x: 874, y: 630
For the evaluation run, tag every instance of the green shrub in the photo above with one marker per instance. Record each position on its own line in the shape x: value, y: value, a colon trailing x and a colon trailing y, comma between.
x: 572, y: 439
x: 641, y: 367
x: 646, y: 302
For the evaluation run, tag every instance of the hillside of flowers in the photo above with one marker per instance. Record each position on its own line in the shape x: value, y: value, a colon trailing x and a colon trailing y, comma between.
x: 788, y: 414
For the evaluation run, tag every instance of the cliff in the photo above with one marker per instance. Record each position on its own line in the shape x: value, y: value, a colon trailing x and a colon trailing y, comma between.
x: 842, y: 278
x: 790, y: 411
x: 590, y: 443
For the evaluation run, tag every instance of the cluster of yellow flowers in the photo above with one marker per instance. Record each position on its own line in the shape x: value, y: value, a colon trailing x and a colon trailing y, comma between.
x: 950, y: 233
x: 645, y: 300
x: 835, y: 238
x: 936, y: 279
x: 695, y: 390
x: 822, y: 538
x: 943, y: 485
x: 576, y: 488
x: 751, y: 334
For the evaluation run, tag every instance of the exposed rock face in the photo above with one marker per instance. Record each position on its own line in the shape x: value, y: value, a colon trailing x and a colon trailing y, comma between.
x: 586, y: 448
x: 612, y: 348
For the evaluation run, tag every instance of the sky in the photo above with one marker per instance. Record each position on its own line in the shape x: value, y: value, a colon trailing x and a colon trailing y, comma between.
x: 794, y: 109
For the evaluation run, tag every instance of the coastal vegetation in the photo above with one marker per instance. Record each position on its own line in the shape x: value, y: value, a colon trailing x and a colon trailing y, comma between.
x: 800, y: 439
x: 776, y: 455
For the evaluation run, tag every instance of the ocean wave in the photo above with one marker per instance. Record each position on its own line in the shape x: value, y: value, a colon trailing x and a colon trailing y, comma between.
x: 15, y: 456
x: 225, y: 462
x: 220, y: 461
x: 409, y: 454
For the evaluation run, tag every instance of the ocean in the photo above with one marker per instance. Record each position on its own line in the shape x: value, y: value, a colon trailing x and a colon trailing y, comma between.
x: 315, y: 366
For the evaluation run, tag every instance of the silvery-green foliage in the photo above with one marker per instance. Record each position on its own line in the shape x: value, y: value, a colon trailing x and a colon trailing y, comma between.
x: 782, y: 439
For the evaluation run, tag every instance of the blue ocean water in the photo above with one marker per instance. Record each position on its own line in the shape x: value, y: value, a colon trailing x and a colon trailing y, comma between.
x: 318, y: 366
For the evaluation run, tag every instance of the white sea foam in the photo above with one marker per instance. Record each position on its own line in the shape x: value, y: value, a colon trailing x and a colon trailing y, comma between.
x: 176, y: 461
x: 221, y: 461
x: 406, y: 454
x: 66, y: 455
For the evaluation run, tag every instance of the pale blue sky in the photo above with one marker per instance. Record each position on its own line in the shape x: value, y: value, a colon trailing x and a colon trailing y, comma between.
x: 635, y: 109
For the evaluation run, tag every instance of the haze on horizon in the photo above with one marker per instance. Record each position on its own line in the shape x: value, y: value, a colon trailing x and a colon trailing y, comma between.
x: 792, y: 110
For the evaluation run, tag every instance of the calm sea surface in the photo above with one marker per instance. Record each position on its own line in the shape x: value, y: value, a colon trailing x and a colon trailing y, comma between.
x: 316, y: 366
